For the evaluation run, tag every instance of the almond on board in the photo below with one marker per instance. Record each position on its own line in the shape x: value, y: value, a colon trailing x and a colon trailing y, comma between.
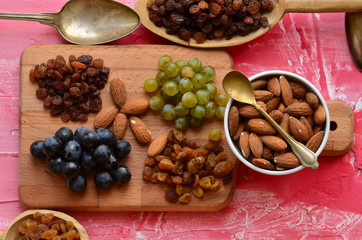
x: 105, y: 117
x: 136, y: 106
x: 118, y: 91
x: 120, y: 125
x: 140, y: 130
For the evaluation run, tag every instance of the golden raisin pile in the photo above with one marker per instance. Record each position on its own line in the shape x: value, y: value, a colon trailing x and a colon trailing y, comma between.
x: 188, y: 168
x: 45, y: 226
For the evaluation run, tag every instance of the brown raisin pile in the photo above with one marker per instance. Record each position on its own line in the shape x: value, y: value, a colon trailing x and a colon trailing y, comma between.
x: 71, y: 90
x: 209, y: 19
x: 188, y: 168
x: 45, y: 226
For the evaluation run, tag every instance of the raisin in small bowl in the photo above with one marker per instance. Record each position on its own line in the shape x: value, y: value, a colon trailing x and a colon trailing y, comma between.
x: 46, y: 224
x: 295, y: 104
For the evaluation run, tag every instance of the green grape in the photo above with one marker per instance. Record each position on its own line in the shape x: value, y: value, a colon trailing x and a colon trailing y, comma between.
x: 185, y: 85
x: 170, y: 88
x: 209, y: 73
x: 202, y: 96
x: 220, y: 111
x: 168, y: 112
x: 181, y: 110
x: 198, y: 111
x: 221, y: 99
x: 187, y: 72
x: 198, y: 80
x: 150, y: 85
x: 189, y: 100
x: 165, y: 96
x: 181, y: 64
x: 177, y: 98
x: 210, y: 110
x: 196, y: 122
x: 156, y: 102
x: 181, y: 123
x: 171, y: 69
x: 215, y: 134
x: 163, y: 61
x: 161, y: 78
x: 196, y: 64
x: 177, y: 78
x: 211, y: 88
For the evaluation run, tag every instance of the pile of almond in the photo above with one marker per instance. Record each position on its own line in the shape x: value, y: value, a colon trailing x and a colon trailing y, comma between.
x: 118, y: 113
x: 296, y: 109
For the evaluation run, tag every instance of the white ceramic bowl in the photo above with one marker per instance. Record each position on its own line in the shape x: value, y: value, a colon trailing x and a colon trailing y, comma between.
x: 291, y: 77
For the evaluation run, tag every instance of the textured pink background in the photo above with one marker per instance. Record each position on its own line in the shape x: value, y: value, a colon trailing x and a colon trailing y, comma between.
x: 309, y: 204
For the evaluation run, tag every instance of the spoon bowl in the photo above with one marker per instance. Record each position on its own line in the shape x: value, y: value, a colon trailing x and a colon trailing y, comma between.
x: 12, y: 231
x: 87, y: 21
x: 280, y: 8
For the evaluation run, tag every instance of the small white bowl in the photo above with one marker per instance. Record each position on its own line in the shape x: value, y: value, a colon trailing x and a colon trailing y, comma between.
x: 291, y: 77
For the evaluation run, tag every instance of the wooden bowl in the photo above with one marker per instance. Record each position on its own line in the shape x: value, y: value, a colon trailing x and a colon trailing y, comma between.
x: 280, y: 8
x: 11, y: 232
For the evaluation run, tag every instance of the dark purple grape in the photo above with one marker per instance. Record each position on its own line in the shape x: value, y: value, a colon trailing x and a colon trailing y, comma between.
x: 71, y: 170
x: 87, y: 162
x: 77, y: 184
x: 72, y: 151
x: 103, y: 180
x: 121, y: 175
x: 56, y: 164
x: 36, y: 149
x: 65, y: 134
x: 52, y: 146
x: 106, y: 136
x: 102, y: 153
x: 121, y: 148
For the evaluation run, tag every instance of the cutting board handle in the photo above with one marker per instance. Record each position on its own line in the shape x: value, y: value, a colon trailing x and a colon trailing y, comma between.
x: 320, y: 6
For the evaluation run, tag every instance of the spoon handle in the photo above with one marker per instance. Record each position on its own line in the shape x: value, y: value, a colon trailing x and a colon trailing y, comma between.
x: 306, y: 156
x: 320, y: 6
x: 45, y: 18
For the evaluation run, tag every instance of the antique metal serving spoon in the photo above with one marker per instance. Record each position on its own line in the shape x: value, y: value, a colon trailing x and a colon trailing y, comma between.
x: 87, y: 21
x: 353, y: 22
x: 238, y: 87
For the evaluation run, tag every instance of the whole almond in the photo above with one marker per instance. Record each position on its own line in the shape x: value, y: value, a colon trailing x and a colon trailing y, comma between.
x: 286, y: 91
x: 285, y: 122
x: 140, y: 130
x: 250, y: 111
x: 157, y: 145
x: 298, y: 90
x: 299, y: 109
x: 307, y: 126
x: 261, y: 126
x: 272, y: 104
x: 262, y: 95
x: 258, y: 84
x: 238, y: 131
x: 287, y: 160
x: 135, y: 107
x: 298, y: 130
x: 276, y: 115
x: 315, y: 141
x: 281, y: 107
x: 233, y: 120
x: 244, y: 144
x: 273, y: 86
x: 256, y: 146
x: 105, y: 117
x: 120, y: 125
x: 267, y: 153
x: 273, y: 142
x: 262, y: 163
x: 312, y: 100
x: 319, y: 115
x: 118, y: 91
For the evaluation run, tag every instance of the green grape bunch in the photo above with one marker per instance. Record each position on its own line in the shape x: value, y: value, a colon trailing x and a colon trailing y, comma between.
x: 185, y: 93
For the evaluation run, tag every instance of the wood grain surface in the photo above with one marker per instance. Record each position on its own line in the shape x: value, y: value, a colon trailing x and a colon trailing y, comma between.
x: 39, y: 188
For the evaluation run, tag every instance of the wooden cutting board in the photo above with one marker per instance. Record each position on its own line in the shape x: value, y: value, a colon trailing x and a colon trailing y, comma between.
x: 39, y: 188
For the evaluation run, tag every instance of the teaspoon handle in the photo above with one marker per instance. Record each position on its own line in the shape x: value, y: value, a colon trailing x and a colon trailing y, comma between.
x: 306, y: 156
x: 45, y: 18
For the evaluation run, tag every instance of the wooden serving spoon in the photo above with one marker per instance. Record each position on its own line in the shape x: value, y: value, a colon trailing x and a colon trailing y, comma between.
x: 280, y: 8
x: 12, y: 231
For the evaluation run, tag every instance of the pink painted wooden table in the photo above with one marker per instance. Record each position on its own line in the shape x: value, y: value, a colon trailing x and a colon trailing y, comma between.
x: 309, y: 204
